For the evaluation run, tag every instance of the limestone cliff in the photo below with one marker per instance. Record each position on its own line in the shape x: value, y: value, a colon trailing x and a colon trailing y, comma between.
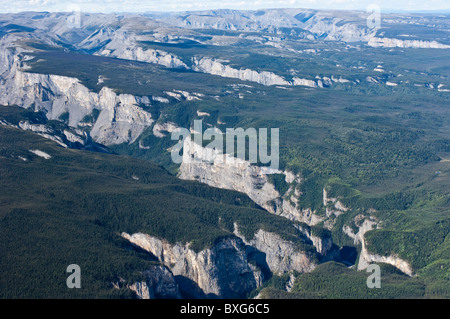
x: 281, y: 255
x: 333, y: 209
x: 73, y: 138
x: 227, y: 172
x: 136, y: 53
x: 304, y: 82
x: 159, y: 283
x: 210, y: 167
x: 220, y: 271
x: 124, y: 44
x: 366, y: 257
x: 231, y: 268
x: 121, y: 118
x: 211, y: 66
x: 322, y: 245
x: 216, y: 67
x: 398, y: 43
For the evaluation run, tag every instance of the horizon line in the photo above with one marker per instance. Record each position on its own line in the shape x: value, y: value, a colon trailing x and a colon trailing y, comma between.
x: 399, y: 11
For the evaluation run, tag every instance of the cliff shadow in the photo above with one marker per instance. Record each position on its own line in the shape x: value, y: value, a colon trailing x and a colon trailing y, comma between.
x: 259, y: 258
x: 144, y: 254
x: 190, y: 290
x: 348, y: 255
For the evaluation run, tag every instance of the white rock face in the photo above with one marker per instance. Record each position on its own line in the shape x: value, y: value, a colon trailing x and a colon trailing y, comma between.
x: 199, y: 113
x: 290, y: 210
x: 150, y: 56
x: 180, y: 95
x: 160, y: 99
x: 211, y: 66
x: 43, y: 131
x: 391, y: 83
x: 398, y: 43
x: 50, y: 93
x: 365, y: 226
x: 226, y: 172
x: 49, y: 133
x: 121, y: 120
x: 305, y: 82
x: 322, y: 245
x: 333, y: 207
x: 215, y: 169
x: 324, y: 23
x: 124, y: 45
x: 372, y: 79
x: 41, y: 154
x: 159, y: 283
x: 227, y: 270
x: 281, y: 255
x: 340, y: 80
x: 142, y: 290
x: 164, y: 127
x: 210, y: 167
x: 36, y: 128
x: 366, y: 258
x: 73, y: 138
x: 221, y: 271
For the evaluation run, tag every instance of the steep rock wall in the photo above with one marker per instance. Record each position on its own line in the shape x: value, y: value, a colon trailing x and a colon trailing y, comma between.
x: 366, y: 257
x: 213, y: 168
x: 221, y: 271
x: 159, y: 283
x: 121, y: 118
x: 281, y: 255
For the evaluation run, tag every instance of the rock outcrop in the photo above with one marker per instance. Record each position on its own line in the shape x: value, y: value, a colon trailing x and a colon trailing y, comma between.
x: 333, y: 209
x: 231, y: 268
x: 304, y: 82
x: 366, y: 257
x: 210, y: 167
x: 137, y: 53
x: 222, y: 271
x: 46, y: 132
x: 121, y: 119
x: 289, y: 209
x: 223, y: 171
x: 211, y: 66
x: 281, y: 255
x: 159, y: 283
x: 398, y: 43
x: 322, y: 245
x: 123, y: 44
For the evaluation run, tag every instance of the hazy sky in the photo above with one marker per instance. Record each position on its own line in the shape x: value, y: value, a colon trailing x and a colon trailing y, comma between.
x: 187, y: 5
